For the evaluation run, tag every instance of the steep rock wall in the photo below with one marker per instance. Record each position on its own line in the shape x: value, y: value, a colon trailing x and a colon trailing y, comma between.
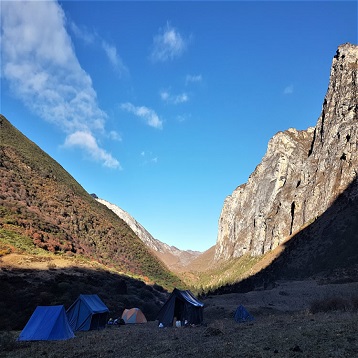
x: 301, y: 174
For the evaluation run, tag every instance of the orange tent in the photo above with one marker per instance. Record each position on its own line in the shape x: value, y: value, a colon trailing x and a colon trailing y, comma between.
x: 133, y: 315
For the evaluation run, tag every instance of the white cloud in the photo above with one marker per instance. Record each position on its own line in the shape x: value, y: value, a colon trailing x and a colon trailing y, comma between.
x: 183, y: 117
x: 193, y: 79
x: 92, y: 38
x: 41, y: 67
x: 114, y: 59
x: 164, y: 95
x: 174, y: 99
x: 115, y: 136
x: 181, y: 98
x: 288, y: 90
x: 167, y: 45
x: 148, y: 158
x: 83, y: 34
x: 151, y: 118
x: 87, y: 141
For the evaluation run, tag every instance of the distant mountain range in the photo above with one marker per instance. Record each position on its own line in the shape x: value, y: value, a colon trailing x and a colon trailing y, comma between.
x: 176, y: 260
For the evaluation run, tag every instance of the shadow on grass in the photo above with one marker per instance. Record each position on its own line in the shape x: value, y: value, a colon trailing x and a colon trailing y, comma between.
x: 23, y: 290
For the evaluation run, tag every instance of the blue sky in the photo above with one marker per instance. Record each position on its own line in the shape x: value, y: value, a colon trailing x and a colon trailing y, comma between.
x: 164, y: 108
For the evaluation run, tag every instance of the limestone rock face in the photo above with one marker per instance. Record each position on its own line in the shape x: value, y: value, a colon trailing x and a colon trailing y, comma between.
x: 301, y: 174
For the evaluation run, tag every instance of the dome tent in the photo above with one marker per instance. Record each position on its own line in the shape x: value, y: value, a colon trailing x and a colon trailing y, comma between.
x: 133, y: 315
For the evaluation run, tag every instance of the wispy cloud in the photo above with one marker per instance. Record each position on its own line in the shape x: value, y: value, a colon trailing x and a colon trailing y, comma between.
x: 115, y: 59
x: 183, y: 117
x: 174, y: 99
x: 83, y: 34
x: 149, y: 115
x: 167, y: 44
x: 148, y: 158
x: 115, y: 136
x: 43, y: 71
x: 288, y: 90
x: 193, y: 79
x: 94, y: 39
x: 86, y: 141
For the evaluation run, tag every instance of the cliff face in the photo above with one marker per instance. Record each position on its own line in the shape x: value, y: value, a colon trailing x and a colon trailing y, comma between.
x: 301, y: 174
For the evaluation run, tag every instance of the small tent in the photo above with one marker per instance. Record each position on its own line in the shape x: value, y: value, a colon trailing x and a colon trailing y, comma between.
x: 87, y: 312
x: 133, y: 315
x: 47, y: 323
x: 242, y: 315
x: 182, y: 306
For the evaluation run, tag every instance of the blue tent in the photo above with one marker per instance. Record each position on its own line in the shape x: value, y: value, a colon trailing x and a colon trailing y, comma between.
x: 242, y: 315
x: 47, y: 323
x: 87, y: 312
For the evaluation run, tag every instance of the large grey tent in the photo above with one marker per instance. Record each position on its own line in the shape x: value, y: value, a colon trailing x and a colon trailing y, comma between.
x: 87, y: 312
x: 47, y: 323
x: 183, y: 306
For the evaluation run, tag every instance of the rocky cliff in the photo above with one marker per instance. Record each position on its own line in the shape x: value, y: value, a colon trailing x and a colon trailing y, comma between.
x: 301, y: 174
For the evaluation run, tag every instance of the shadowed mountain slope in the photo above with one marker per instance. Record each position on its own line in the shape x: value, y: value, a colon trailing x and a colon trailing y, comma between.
x: 23, y: 288
x: 326, y: 249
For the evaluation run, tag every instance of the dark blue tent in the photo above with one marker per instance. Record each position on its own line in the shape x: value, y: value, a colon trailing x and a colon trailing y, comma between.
x: 47, y: 323
x: 182, y: 305
x: 242, y: 315
x: 87, y: 312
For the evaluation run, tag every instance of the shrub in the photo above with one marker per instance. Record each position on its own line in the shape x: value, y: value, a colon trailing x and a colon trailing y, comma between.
x: 146, y: 295
x: 151, y: 310
x: 121, y: 287
x: 330, y: 304
x: 354, y: 302
x: 158, y: 288
x: 45, y: 298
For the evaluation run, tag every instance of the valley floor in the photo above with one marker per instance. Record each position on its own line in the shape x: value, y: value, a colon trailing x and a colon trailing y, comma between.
x: 283, y: 327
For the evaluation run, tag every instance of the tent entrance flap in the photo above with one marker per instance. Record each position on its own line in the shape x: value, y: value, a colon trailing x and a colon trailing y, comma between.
x: 179, y: 310
x: 98, y: 320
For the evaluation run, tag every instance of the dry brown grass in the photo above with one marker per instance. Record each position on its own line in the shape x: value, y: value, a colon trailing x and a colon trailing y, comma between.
x: 274, y: 335
x: 283, y: 327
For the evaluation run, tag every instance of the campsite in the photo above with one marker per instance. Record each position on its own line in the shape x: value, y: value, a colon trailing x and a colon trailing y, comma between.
x: 288, y: 322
